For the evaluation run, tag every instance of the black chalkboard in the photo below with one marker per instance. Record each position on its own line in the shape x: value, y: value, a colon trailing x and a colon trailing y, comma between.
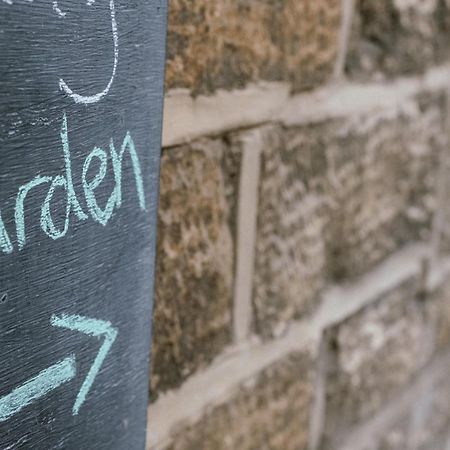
x: 81, y: 93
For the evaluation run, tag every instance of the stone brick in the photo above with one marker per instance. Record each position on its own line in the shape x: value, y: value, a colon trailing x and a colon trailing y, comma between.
x: 372, y: 356
x: 396, y: 438
x: 438, y: 308
x: 227, y: 43
x: 430, y: 423
x: 194, y: 270
x: 393, y: 37
x: 382, y: 184
x: 269, y: 412
x: 338, y: 197
x: 290, y: 250
x: 425, y: 424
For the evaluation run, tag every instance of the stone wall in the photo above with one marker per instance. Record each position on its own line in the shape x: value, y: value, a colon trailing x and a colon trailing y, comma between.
x: 302, y: 294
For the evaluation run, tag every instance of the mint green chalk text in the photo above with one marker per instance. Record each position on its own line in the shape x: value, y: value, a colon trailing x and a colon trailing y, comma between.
x: 113, y: 160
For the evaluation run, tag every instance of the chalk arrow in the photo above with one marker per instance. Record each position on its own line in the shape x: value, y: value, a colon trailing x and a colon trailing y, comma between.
x: 63, y: 371
x: 37, y: 387
x: 91, y: 327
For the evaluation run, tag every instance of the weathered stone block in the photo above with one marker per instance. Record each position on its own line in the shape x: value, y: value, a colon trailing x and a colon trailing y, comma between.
x: 194, y: 270
x: 290, y: 247
x: 438, y: 308
x: 396, y: 438
x: 393, y: 37
x: 382, y: 184
x: 430, y: 423
x: 269, y: 412
x: 227, y: 43
x: 336, y: 198
x: 426, y: 423
x: 372, y: 356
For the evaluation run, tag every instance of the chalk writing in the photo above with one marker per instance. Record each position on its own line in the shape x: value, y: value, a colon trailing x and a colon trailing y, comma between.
x: 63, y: 371
x: 101, y: 216
x: 19, y: 214
x: 91, y: 327
x: 88, y: 99
x: 80, y: 132
x: 37, y: 387
x: 57, y: 9
x: 97, y: 97
x: 64, y: 134
x: 65, y: 182
x: 5, y: 242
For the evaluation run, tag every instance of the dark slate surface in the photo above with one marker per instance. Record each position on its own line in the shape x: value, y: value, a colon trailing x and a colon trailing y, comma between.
x: 76, y: 277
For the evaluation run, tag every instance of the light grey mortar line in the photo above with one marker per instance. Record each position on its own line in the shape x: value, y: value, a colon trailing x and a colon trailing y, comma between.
x: 217, y: 383
x: 447, y: 446
x: 344, y: 37
x: 187, y: 118
x: 442, y: 185
x: 351, y: 98
x: 252, y: 145
x: 439, y: 263
x: 415, y: 415
x: 438, y: 273
x: 438, y: 223
x: 317, y: 415
x: 340, y: 302
x: 365, y: 435
x: 441, y: 442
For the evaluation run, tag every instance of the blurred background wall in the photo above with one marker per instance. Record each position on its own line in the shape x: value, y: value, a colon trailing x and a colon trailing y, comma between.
x: 302, y: 288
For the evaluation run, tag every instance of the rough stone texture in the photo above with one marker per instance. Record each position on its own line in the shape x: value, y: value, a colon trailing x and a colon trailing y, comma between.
x: 383, y: 184
x: 438, y: 307
x: 194, y: 270
x: 430, y: 422
x: 227, y: 43
x: 425, y: 424
x: 337, y: 198
x: 372, y: 356
x: 395, y: 438
x: 290, y: 249
x: 269, y: 412
x: 443, y: 220
x: 392, y: 37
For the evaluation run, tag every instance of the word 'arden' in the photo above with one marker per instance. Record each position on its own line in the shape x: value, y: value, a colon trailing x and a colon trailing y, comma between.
x: 66, y: 182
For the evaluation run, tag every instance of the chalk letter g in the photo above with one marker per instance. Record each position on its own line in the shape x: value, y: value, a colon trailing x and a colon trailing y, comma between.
x: 87, y: 99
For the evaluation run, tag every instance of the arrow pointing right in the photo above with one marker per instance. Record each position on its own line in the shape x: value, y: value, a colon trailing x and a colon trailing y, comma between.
x: 91, y: 327
x: 63, y: 371
x: 37, y: 387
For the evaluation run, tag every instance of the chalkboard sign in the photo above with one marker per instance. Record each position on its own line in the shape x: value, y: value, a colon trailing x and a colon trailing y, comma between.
x: 81, y: 92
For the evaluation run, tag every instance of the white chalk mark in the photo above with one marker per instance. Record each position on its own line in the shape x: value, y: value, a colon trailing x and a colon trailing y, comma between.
x: 97, y: 97
x: 57, y: 9
x: 9, y: 2
x: 23, y: 439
